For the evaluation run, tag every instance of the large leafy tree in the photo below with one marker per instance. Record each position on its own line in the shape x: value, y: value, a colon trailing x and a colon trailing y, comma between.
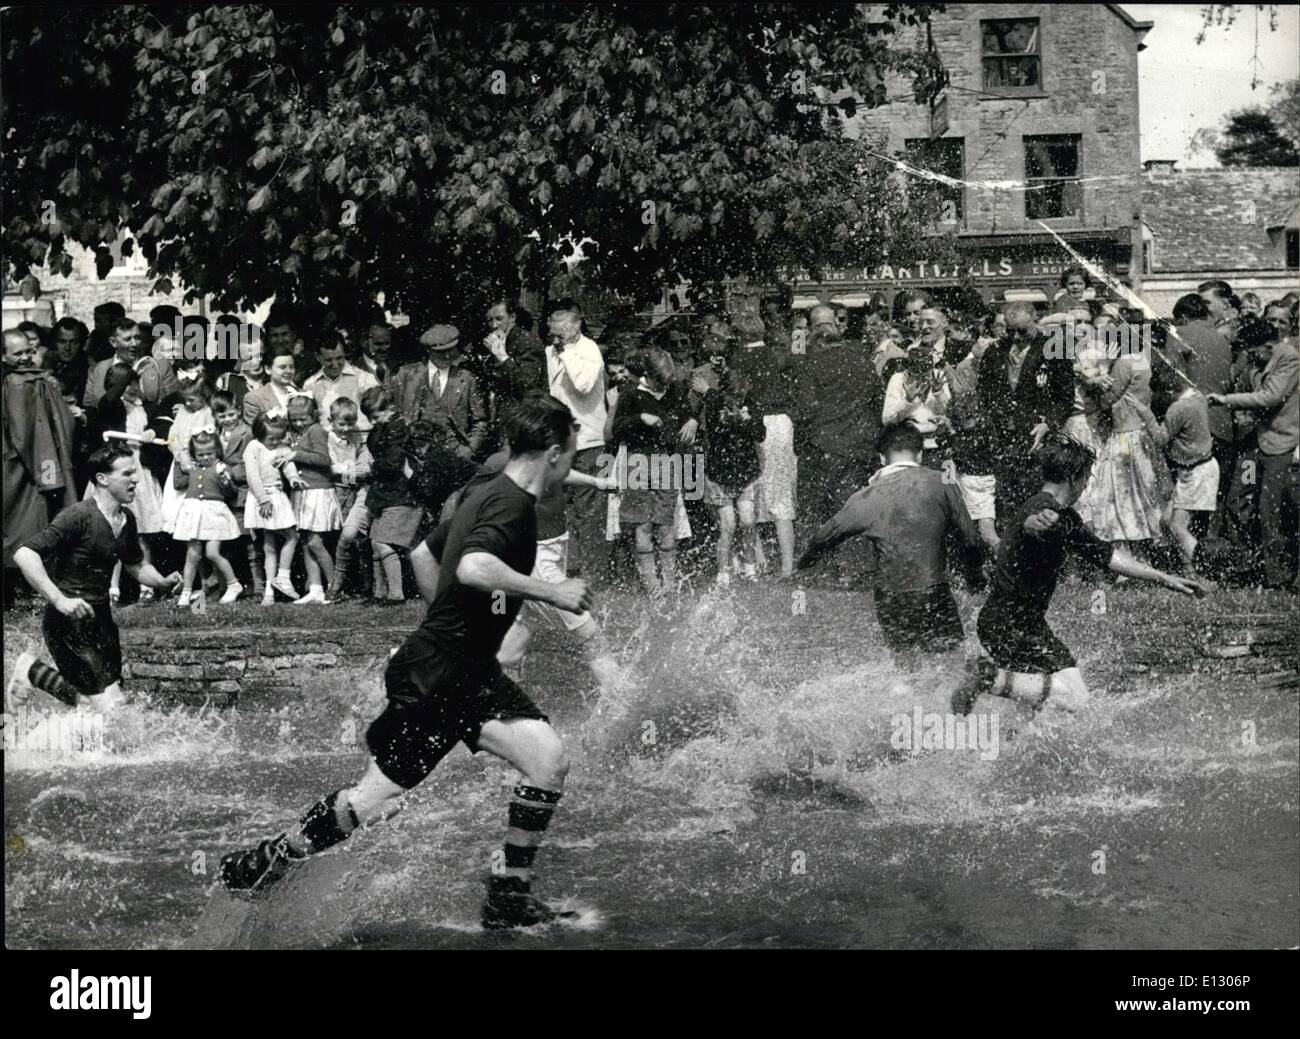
x: 1250, y: 137
x: 428, y: 152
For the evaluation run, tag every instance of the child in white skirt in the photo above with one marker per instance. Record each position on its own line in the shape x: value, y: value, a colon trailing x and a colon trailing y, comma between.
x: 267, y: 464
x: 315, y: 506
x: 192, y: 414
x: 204, y: 518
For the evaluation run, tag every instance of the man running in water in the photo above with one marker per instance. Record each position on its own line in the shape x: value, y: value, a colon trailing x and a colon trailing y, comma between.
x: 445, y: 686
x: 1027, y: 662
x: 907, y: 513
x: 551, y: 564
x: 82, y: 545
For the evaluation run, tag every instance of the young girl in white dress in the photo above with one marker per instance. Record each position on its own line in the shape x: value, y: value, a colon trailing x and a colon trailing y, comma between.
x: 204, y: 518
x: 191, y: 415
x: 267, y: 464
x: 315, y: 506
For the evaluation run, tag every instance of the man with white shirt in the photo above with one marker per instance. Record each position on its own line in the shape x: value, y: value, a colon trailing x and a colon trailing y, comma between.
x: 575, y: 374
x: 337, y: 378
x: 157, y: 379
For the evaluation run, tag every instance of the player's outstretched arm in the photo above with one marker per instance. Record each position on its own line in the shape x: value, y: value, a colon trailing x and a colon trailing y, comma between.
x: 601, y: 483
x: 486, y: 573
x: 849, y: 521
x: 1124, y: 564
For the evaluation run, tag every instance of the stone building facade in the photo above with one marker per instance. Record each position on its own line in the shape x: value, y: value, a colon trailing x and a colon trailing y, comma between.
x: 81, y: 291
x: 1038, y: 122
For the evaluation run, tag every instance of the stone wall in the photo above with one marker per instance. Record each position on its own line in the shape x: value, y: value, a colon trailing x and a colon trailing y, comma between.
x: 1259, y: 646
x: 269, y: 667
x: 250, y: 666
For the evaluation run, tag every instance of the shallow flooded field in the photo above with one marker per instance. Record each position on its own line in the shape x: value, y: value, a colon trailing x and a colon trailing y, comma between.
x: 746, y: 790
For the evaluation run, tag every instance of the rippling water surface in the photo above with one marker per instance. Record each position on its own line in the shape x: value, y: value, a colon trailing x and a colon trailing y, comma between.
x: 742, y: 791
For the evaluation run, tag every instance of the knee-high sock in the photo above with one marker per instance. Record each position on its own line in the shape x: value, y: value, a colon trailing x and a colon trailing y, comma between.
x: 342, y: 564
x: 327, y: 822
x: 392, y: 566
x: 255, y: 567
x: 531, y: 809
x: 48, y: 680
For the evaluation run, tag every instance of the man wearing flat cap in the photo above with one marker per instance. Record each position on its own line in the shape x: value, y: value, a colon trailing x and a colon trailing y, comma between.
x: 439, y: 390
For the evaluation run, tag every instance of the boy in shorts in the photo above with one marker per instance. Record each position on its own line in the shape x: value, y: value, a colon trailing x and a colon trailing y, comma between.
x: 1026, y: 661
x: 551, y: 565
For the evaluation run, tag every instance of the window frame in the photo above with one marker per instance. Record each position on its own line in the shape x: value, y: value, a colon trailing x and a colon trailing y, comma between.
x: 1077, y: 217
x: 999, y: 56
x: 1290, y: 248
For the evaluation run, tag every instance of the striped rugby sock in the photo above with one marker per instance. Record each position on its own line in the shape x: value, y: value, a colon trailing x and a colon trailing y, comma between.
x: 48, y: 680
x: 531, y: 809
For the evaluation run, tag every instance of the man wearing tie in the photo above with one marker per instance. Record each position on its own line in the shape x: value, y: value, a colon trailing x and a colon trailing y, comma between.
x: 440, y: 389
x: 375, y: 347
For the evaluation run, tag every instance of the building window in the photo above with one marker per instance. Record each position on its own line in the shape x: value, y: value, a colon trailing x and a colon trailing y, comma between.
x: 1052, y: 188
x: 1012, y: 55
x: 947, y: 157
x: 1293, y: 250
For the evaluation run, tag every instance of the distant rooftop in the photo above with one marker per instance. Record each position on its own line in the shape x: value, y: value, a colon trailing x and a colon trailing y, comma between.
x: 1213, y: 220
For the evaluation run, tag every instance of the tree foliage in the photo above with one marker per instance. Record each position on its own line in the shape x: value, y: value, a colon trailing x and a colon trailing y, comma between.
x: 1249, y: 138
x: 427, y: 152
x: 1285, y: 109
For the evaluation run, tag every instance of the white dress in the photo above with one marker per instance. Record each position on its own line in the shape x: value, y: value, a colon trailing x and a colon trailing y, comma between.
x: 205, y: 519
x: 282, y: 517
x: 186, y: 423
x: 317, y: 509
x: 148, y: 505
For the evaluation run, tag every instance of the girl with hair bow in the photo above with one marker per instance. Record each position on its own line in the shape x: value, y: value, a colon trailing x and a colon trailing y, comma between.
x: 204, y: 519
x: 191, y: 414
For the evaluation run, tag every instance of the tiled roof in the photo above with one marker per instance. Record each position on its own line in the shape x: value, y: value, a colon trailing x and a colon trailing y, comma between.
x: 1199, y: 219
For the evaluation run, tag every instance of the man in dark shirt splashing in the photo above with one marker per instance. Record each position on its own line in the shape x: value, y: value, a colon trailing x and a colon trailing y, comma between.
x: 70, y: 563
x: 445, y: 686
x: 1027, y: 662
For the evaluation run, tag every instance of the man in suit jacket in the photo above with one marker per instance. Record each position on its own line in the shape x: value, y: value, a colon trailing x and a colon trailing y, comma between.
x: 1275, y: 401
x: 439, y: 387
x: 838, y: 408
x: 514, y: 364
x: 1023, y: 395
x: 157, y: 378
